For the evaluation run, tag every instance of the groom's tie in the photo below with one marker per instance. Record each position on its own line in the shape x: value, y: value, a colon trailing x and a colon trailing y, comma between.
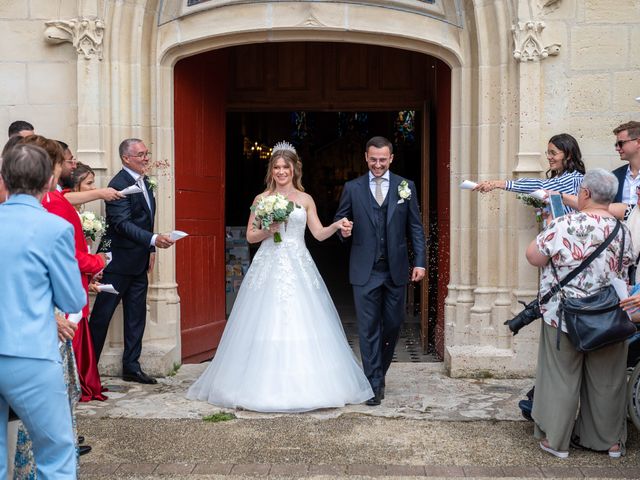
x: 143, y: 187
x: 378, y: 195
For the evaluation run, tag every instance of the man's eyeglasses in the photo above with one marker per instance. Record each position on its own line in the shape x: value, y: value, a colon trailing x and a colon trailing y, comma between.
x: 141, y: 155
x: 620, y: 143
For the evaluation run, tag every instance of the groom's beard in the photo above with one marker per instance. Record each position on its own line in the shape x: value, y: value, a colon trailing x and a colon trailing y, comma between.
x: 67, y: 182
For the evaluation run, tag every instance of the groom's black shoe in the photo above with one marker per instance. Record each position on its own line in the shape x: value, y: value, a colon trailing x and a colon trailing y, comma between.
x: 376, y: 399
x: 139, y: 377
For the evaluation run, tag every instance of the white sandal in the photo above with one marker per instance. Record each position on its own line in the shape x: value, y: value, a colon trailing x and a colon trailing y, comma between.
x: 615, y: 453
x: 556, y: 453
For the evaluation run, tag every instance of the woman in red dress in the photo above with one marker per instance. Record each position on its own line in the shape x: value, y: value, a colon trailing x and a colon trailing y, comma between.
x: 89, y: 264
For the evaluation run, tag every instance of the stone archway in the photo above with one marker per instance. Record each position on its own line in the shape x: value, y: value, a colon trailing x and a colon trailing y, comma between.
x: 142, y: 45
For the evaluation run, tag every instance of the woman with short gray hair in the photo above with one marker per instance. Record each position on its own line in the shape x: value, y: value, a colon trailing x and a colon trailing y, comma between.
x: 566, y: 379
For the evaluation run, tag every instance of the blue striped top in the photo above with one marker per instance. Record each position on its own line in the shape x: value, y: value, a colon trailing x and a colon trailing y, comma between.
x: 568, y: 182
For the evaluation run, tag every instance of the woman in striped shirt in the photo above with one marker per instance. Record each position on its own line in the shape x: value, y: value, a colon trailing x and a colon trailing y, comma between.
x: 565, y: 173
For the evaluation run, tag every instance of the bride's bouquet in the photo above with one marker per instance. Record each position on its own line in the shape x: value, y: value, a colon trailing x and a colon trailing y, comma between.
x: 92, y: 226
x: 271, y: 209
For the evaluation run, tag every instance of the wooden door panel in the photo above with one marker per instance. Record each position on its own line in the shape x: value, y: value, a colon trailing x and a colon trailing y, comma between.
x: 200, y: 93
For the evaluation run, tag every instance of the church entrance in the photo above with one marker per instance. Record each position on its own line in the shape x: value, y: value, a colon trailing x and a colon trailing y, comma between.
x: 327, y: 99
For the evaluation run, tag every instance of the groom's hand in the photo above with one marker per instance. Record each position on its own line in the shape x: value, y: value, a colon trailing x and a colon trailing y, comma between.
x: 417, y: 274
x: 345, y: 228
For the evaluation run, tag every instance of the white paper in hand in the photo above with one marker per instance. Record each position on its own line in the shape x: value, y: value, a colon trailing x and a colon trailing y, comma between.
x: 107, y: 288
x: 74, y: 317
x: 539, y: 194
x: 177, y: 235
x: 131, y: 189
x: 468, y: 185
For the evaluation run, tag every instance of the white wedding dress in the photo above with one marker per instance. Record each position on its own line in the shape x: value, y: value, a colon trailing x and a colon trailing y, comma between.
x: 284, y: 348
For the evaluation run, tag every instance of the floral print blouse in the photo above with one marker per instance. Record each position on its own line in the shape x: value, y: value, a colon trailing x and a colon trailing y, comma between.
x: 570, y: 239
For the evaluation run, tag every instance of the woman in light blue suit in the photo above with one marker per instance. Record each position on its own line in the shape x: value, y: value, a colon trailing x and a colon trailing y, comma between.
x: 38, y: 272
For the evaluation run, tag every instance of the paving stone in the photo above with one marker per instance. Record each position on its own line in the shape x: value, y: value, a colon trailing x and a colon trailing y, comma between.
x: 601, y: 472
x: 370, y: 470
x: 289, y: 469
x: 405, y: 470
x: 479, y: 471
x: 561, y: 472
x: 175, y: 468
x: 212, y: 469
x: 629, y: 472
x: 438, y: 471
x: 141, y: 468
x: 251, y: 469
x: 327, y: 469
x: 98, y: 468
x: 528, y: 472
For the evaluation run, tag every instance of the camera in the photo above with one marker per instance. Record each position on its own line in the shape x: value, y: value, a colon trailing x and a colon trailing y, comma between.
x: 530, y: 313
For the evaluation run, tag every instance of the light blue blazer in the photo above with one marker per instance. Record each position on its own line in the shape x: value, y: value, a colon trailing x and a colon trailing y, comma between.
x: 38, y: 270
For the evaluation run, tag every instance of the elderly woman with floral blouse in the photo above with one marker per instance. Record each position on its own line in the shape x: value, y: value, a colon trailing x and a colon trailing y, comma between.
x: 568, y: 380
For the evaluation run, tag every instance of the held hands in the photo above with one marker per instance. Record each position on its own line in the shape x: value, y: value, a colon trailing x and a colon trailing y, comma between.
x: 345, y: 226
x: 110, y: 194
x: 66, y: 329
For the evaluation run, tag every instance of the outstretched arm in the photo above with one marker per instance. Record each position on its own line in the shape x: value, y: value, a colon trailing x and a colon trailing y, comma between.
x: 107, y: 194
x: 315, y: 226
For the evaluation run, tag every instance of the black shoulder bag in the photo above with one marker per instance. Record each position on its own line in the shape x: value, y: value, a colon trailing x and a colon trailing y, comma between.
x: 596, y: 320
x: 532, y: 311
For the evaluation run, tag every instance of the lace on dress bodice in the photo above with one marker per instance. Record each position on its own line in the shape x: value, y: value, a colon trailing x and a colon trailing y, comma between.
x: 288, y: 261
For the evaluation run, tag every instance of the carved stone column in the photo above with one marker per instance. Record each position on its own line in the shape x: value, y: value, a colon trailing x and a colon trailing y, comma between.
x: 86, y: 34
x: 529, y: 51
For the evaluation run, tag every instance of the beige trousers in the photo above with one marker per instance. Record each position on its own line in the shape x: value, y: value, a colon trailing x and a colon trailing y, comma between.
x: 592, y: 384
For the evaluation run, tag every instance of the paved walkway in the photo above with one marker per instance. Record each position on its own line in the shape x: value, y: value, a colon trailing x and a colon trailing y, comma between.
x: 429, y: 425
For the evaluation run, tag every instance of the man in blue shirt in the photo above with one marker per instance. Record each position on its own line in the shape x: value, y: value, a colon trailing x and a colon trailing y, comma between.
x: 38, y: 271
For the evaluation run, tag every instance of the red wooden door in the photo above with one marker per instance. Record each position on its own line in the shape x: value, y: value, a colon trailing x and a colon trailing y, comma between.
x: 199, y: 116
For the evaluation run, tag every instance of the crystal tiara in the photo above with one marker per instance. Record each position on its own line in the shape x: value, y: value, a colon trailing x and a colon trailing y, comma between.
x: 282, y: 146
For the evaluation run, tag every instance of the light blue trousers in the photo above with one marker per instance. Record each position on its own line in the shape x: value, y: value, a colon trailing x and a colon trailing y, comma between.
x: 35, y: 390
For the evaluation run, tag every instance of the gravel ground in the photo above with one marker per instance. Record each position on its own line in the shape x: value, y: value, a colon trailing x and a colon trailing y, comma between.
x: 349, y: 439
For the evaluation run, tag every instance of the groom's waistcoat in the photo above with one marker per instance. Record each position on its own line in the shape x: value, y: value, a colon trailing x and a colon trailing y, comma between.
x: 380, y: 215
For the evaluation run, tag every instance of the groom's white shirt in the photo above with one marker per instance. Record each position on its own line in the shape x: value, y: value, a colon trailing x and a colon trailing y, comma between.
x: 384, y: 185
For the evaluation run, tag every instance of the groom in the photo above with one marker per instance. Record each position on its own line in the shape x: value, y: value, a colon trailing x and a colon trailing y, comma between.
x: 385, y: 213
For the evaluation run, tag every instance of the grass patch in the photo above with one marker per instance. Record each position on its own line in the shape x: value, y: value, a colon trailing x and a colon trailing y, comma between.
x: 219, y: 417
x: 174, y: 370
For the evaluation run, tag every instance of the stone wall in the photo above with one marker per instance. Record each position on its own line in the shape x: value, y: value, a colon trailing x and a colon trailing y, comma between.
x: 37, y: 80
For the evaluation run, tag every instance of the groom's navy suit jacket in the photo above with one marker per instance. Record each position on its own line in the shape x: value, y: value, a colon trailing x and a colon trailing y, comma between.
x: 130, y: 228
x: 403, y: 222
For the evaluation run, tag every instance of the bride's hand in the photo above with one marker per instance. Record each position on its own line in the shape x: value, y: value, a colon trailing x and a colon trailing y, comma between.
x: 274, y: 227
x: 345, y: 226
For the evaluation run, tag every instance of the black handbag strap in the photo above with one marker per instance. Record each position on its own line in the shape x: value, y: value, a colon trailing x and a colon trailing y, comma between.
x: 585, y: 263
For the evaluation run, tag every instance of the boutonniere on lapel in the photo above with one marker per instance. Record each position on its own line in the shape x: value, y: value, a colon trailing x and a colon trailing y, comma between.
x: 153, y: 184
x: 404, y: 192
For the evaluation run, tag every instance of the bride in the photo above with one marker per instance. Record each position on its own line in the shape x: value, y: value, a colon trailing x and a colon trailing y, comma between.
x: 284, y: 349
